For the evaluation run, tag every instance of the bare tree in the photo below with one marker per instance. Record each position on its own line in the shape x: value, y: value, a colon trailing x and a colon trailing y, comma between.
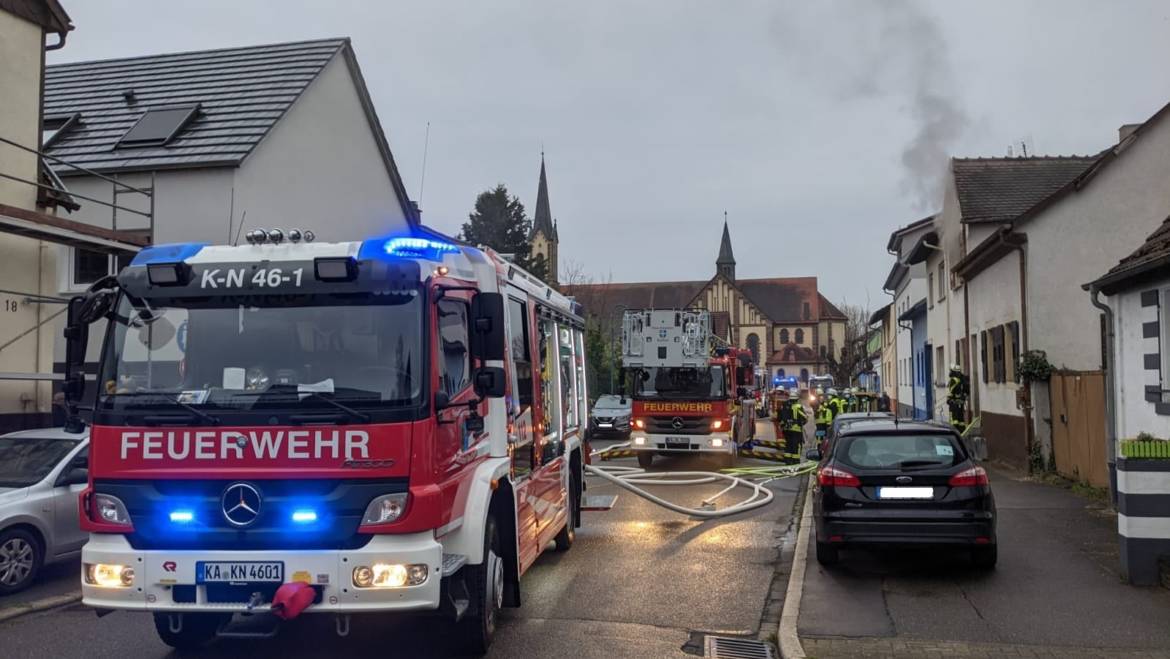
x: 853, y: 357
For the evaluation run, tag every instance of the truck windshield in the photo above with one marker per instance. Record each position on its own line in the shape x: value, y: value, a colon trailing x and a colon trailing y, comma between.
x: 680, y: 383
x: 264, y: 351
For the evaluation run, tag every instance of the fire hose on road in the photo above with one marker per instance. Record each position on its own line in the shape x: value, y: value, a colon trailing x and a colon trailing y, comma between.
x: 632, y: 478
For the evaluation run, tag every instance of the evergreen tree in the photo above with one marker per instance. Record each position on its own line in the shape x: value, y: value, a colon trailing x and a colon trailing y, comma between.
x: 499, y: 221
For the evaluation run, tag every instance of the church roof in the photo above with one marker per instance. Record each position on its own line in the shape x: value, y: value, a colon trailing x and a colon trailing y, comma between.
x: 781, y: 299
x: 542, y: 221
x: 793, y: 354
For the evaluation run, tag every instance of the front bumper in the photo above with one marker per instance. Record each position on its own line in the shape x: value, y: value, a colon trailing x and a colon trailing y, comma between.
x: 157, y: 572
x: 943, y: 528
x: 712, y: 443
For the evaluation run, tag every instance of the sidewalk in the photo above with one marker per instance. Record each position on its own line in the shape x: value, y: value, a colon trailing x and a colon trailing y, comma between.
x: 56, y: 584
x: 1056, y: 592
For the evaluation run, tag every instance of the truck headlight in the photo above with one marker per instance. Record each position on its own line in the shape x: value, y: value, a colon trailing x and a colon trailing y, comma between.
x: 385, y: 509
x: 389, y: 575
x: 106, y: 575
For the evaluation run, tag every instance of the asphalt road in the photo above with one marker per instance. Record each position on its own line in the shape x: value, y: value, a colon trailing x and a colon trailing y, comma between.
x: 1056, y: 584
x: 639, y: 582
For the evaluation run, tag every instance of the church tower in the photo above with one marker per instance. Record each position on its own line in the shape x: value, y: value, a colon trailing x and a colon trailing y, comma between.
x: 544, y: 239
x: 725, y: 264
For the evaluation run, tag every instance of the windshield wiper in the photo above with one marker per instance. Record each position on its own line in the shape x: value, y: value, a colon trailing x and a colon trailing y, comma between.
x: 174, y: 400
x: 360, y: 416
x: 319, y: 395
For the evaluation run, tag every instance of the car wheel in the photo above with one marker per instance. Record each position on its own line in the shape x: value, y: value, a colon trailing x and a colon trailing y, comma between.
x: 485, y: 583
x: 645, y: 459
x: 985, y: 558
x: 20, y: 560
x: 827, y: 554
x: 196, y: 630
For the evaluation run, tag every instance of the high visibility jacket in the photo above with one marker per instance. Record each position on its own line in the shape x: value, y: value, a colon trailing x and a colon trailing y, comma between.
x: 825, y: 414
x: 957, y: 387
x: 837, y: 405
x: 796, y: 416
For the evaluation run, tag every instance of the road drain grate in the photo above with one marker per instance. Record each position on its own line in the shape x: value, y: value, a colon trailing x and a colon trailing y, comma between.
x: 724, y: 647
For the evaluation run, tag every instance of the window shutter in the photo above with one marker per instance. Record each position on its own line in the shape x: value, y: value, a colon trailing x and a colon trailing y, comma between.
x: 983, y: 354
x: 1014, y: 328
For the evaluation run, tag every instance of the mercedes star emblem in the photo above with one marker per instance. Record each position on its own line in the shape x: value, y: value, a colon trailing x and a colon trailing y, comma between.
x: 676, y: 423
x: 241, y: 504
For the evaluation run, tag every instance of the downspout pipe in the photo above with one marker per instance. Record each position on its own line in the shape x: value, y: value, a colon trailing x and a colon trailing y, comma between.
x: 1110, y: 392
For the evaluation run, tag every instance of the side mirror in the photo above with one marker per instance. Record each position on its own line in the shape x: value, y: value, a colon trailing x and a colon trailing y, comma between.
x: 76, y: 340
x: 487, y: 326
x: 490, y: 382
x: 442, y: 401
x: 95, y: 305
x: 813, y: 454
x: 741, y: 392
x: 75, y: 476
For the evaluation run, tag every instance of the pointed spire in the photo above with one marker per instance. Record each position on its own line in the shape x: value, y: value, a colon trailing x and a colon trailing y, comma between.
x: 556, y: 232
x: 725, y: 264
x: 542, y: 220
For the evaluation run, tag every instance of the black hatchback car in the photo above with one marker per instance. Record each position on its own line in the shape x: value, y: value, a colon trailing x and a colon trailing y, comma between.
x: 902, y: 482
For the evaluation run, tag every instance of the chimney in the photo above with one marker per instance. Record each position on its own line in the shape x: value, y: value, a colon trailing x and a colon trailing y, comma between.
x: 1126, y: 130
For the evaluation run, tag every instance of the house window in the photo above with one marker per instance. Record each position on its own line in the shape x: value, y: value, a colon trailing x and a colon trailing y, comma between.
x: 780, y: 373
x: 784, y: 336
x: 82, y: 267
x: 942, y: 277
x: 930, y: 289
x: 800, y: 336
x: 158, y: 126
x: 753, y: 344
x: 940, y: 367
x: 804, y: 375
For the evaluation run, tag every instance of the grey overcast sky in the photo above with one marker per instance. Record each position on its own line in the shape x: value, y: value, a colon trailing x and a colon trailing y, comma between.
x: 817, y: 126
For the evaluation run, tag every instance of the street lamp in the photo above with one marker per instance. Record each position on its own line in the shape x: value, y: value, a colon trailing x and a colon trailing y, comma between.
x: 617, y: 311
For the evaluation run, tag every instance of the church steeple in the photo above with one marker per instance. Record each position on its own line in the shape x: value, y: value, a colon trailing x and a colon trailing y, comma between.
x: 725, y: 264
x: 543, y: 238
x: 542, y: 221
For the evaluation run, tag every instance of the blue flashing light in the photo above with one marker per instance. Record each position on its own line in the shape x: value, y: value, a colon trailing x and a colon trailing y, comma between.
x: 167, y: 253
x: 420, y: 248
x: 182, y: 516
x: 304, y: 516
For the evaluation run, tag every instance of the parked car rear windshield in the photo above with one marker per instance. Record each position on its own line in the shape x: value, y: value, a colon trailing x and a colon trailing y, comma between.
x: 899, y: 451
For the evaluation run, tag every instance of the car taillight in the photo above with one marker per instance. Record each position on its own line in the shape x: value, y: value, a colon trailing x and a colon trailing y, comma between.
x: 831, y: 476
x: 972, y: 477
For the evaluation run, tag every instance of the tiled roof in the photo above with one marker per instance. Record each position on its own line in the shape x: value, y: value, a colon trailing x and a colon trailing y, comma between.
x: 1153, y: 254
x: 783, y: 299
x: 793, y: 354
x: 829, y: 311
x: 241, y: 92
x: 1000, y: 189
x: 542, y: 220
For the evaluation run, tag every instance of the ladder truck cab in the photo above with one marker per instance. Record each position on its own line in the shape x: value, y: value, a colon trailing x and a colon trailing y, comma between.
x: 686, y: 391
x: 377, y: 427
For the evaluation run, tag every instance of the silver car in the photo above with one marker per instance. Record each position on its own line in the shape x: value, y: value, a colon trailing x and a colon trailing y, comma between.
x: 42, y: 473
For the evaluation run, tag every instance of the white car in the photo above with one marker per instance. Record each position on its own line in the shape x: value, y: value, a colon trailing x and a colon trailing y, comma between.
x: 42, y: 473
x: 610, y: 416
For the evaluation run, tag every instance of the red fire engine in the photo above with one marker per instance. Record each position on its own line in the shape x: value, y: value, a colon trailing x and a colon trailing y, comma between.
x: 686, y: 391
x: 381, y: 426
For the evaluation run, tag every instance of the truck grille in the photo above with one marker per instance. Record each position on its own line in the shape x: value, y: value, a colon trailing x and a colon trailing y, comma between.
x: 339, y: 505
x: 687, y: 425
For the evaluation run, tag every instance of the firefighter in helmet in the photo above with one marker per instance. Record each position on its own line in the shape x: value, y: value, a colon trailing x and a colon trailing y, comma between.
x: 794, y: 421
x: 958, y: 388
x: 836, y: 404
x: 824, y: 418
